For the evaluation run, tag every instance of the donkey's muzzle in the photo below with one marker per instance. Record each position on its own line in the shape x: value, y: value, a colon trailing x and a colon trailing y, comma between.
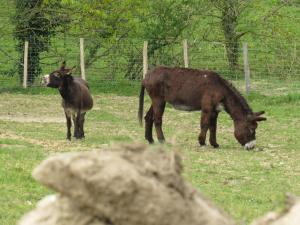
x: 45, y: 80
x: 250, y: 145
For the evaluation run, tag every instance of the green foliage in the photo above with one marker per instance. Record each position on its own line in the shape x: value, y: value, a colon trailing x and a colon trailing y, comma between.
x: 235, y: 21
x: 100, y: 21
x: 162, y: 24
x: 114, y: 32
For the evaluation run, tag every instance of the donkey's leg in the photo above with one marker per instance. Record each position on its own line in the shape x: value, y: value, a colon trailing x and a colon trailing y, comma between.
x: 158, y: 111
x: 69, y: 124
x: 149, y: 125
x: 77, y: 125
x: 213, y: 129
x: 81, y: 125
x: 205, y: 124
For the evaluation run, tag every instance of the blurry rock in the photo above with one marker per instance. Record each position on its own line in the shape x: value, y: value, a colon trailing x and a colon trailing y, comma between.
x: 291, y: 216
x: 125, y: 185
x: 59, y: 210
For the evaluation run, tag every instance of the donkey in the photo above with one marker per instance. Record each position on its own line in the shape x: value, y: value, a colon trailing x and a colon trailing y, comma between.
x: 76, y: 98
x: 195, y: 90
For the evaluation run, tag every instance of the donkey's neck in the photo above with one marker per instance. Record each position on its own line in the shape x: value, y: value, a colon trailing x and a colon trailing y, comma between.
x: 64, y: 92
x: 236, y: 107
x: 65, y: 89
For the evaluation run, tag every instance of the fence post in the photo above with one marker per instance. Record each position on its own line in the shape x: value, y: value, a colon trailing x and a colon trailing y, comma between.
x: 145, y: 58
x: 25, y: 65
x: 82, y: 58
x: 185, y: 53
x: 246, y: 68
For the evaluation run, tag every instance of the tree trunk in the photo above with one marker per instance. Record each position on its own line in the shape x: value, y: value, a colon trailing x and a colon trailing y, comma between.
x: 229, y: 24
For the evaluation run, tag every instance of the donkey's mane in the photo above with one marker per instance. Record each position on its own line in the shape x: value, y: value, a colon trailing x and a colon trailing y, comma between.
x: 237, y: 95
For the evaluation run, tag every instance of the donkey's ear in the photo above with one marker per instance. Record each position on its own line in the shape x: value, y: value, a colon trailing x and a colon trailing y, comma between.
x: 70, y: 71
x: 259, y: 118
x: 256, y: 117
x: 63, y: 65
x: 258, y: 113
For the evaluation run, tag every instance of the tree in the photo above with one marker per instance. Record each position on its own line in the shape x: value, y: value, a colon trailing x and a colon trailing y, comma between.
x: 101, y: 21
x: 230, y: 21
x: 161, y: 23
x: 36, y: 24
x: 109, y: 23
x: 228, y: 14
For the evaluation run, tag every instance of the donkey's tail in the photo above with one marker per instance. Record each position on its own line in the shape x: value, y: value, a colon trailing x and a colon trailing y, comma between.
x: 141, y: 104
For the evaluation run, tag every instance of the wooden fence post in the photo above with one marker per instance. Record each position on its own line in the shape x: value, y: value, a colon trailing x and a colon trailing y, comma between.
x: 185, y: 53
x: 246, y: 68
x: 25, y: 65
x: 145, y: 58
x: 82, y: 58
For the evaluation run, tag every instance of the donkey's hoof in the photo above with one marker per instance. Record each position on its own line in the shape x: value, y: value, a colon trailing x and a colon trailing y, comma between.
x: 215, y: 145
x: 202, y: 143
x: 161, y: 141
x: 204, y: 148
x: 80, y: 138
x: 150, y: 141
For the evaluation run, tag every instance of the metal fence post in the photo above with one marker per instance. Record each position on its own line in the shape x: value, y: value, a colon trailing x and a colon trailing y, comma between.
x: 82, y: 58
x: 25, y: 65
x: 145, y: 58
x: 246, y: 68
x: 185, y: 53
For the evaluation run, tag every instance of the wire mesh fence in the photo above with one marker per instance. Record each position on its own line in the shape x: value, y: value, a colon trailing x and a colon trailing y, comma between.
x: 274, y: 70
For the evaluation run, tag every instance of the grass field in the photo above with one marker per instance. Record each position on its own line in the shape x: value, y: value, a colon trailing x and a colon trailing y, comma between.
x: 245, y: 183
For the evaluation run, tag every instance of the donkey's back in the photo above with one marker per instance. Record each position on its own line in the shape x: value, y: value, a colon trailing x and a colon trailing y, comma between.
x: 79, y: 96
x: 185, y: 89
x: 79, y: 80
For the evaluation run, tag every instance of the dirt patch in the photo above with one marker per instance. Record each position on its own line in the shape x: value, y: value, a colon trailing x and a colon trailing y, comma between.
x: 10, y: 146
x: 47, y: 144
x: 31, y: 119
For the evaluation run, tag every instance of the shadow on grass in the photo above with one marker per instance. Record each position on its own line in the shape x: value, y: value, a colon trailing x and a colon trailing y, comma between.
x: 132, y: 88
x: 123, y: 88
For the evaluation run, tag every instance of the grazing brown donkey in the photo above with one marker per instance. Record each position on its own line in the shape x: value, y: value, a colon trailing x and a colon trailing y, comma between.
x: 76, y: 98
x: 193, y: 90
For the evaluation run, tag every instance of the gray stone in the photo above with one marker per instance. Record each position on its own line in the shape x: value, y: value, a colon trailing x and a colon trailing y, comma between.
x: 125, y: 185
x: 58, y: 210
x: 290, y: 216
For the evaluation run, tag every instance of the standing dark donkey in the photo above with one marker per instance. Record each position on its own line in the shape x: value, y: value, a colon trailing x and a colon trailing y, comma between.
x: 193, y: 90
x: 76, y: 98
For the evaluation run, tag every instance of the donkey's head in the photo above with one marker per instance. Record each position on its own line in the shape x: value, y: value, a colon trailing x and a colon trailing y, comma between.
x: 245, y: 129
x: 55, y: 79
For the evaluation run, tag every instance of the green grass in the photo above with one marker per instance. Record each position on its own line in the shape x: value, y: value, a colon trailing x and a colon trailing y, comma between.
x: 19, y: 192
x: 129, y: 88
x: 245, y: 183
x: 282, y: 89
